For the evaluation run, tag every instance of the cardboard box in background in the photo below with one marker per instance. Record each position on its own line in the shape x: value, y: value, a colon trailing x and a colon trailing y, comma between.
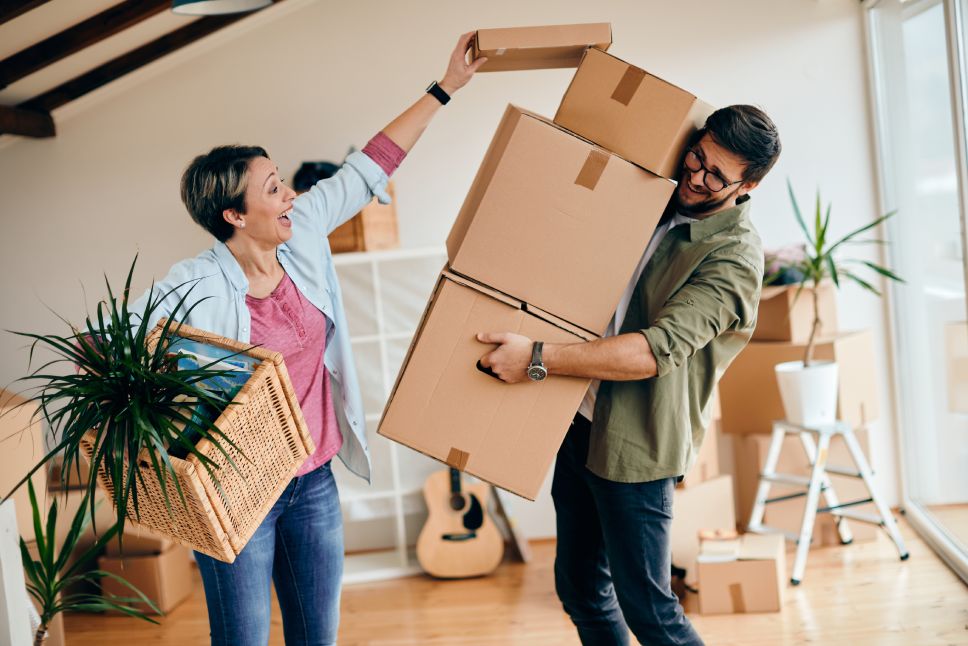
x: 752, y: 580
x: 556, y: 222
x: 708, y: 505
x: 444, y: 407
x: 373, y: 228
x: 750, y: 397
x: 956, y: 350
x: 532, y: 48
x: 784, y: 317
x: 706, y: 466
x: 21, y: 447
x: 634, y: 114
x: 750, y: 454
x: 164, y: 578
x: 139, y: 541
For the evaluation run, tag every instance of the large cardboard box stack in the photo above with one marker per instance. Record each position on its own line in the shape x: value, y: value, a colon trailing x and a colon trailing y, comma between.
x: 154, y: 564
x: 550, y: 233
x: 708, y: 505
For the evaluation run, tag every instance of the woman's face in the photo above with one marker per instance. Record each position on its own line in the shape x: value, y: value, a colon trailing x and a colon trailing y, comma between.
x: 268, y: 203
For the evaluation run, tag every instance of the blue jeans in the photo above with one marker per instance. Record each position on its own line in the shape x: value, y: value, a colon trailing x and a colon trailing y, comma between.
x: 299, y: 546
x: 612, y: 566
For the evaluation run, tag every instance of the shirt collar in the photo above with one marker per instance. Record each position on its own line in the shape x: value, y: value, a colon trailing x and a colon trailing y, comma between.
x: 231, y: 267
x: 702, y: 229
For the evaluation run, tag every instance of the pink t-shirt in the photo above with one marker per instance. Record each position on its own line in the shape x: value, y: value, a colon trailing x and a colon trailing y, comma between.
x: 284, y: 321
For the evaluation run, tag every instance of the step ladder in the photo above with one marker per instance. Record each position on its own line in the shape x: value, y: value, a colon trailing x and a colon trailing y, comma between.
x: 819, y: 484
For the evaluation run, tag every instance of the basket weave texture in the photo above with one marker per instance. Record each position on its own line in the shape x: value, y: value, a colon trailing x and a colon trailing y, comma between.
x: 265, y: 423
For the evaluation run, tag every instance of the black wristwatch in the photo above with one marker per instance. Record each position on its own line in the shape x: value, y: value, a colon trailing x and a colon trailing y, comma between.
x: 537, y: 370
x: 438, y: 93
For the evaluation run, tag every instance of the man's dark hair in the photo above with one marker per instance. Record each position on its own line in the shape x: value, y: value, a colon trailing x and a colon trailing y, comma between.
x: 745, y: 131
x: 217, y: 181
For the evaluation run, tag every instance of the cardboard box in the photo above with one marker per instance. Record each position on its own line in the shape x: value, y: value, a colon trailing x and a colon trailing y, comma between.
x: 444, y: 407
x: 750, y: 397
x: 747, y: 578
x: 533, y: 48
x: 164, y: 578
x: 784, y: 317
x: 750, y: 455
x: 556, y: 222
x: 139, y: 541
x: 706, y: 466
x: 21, y: 447
x: 956, y: 352
x: 708, y: 504
x: 634, y: 114
x: 373, y: 228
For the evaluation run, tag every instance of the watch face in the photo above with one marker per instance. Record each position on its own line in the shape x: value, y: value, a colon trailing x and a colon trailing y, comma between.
x: 537, y: 373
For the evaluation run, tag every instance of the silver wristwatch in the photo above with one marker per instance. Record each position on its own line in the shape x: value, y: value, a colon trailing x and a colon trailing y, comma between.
x: 537, y: 370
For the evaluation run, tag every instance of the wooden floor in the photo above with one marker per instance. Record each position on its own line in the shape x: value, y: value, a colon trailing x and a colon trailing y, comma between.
x: 856, y: 595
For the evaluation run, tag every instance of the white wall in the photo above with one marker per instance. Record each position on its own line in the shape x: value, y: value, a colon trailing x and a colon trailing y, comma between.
x: 308, y: 79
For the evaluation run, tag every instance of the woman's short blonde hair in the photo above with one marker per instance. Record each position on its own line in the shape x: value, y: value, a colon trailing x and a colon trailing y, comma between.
x: 216, y: 181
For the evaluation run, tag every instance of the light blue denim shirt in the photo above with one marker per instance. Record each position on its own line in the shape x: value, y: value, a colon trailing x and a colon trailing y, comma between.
x: 307, y: 260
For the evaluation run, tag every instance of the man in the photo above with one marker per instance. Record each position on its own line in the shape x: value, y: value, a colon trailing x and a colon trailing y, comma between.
x: 688, y: 311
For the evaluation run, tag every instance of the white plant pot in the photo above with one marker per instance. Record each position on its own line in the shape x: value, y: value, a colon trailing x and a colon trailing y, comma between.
x: 809, y: 394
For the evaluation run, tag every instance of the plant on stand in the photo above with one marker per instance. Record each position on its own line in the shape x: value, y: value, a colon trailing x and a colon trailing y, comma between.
x: 808, y: 387
x: 57, y: 568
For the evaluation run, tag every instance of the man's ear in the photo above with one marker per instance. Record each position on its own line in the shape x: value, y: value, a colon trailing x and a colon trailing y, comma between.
x: 746, y: 187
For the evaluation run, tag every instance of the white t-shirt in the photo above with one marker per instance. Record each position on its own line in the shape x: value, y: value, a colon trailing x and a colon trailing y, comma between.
x: 587, y: 407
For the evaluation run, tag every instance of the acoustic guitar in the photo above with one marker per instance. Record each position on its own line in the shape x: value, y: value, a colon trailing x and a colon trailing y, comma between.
x: 459, y: 539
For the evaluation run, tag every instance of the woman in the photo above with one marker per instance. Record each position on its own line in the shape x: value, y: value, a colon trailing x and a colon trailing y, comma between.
x: 271, y: 281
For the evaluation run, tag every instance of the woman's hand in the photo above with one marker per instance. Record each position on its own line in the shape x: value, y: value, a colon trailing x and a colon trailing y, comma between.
x: 459, y: 71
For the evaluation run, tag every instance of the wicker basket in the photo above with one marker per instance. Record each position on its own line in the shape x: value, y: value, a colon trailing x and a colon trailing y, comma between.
x: 265, y: 422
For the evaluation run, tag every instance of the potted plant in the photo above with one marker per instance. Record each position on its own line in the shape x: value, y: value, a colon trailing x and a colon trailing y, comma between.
x: 56, y: 568
x: 161, y: 413
x: 808, y: 387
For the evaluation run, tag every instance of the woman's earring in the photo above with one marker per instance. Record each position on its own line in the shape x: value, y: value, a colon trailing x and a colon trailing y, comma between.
x: 241, y: 225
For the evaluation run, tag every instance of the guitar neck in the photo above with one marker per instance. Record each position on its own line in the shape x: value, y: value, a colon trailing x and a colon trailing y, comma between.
x: 454, y: 481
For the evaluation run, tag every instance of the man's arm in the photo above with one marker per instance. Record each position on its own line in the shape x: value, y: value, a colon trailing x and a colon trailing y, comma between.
x: 625, y: 357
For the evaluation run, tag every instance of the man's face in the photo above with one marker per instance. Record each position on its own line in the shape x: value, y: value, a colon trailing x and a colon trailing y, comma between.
x: 693, y: 195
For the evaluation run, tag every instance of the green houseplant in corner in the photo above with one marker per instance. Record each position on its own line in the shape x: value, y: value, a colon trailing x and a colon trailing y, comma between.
x: 809, y: 388
x: 57, y: 567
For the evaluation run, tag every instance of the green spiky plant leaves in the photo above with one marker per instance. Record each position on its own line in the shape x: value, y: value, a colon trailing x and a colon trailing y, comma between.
x: 106, y: 378
x: 56, y: 570
x: 823, y: 260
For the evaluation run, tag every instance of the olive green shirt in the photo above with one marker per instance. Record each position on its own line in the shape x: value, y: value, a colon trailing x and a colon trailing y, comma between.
x: 696, y: 304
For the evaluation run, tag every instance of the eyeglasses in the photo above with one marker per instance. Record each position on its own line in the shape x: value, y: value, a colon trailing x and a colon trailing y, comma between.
x: 711, y: 180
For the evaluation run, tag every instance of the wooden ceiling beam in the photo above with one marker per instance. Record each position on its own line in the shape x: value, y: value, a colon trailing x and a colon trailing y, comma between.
x: 73, y: 39
x: 10, y: 9
x: 27, y: 123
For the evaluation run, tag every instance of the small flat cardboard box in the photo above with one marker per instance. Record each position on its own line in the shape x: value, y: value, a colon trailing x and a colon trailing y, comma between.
x: 751, y: 579
x: 444, y: 407
x: 706, y: 466
x: 784, y: 317
x: 750, y: 451
x: 634, y: 114
x: 556, y: 222
x: 534, y: 48
x: 21, y: 447
x: 708, y: 504
x: 373, y: 228
x: 139, y: 541
x: 750, y: 397
x: 164, y: 578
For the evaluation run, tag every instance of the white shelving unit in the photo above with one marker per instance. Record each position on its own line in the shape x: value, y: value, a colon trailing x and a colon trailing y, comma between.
x: 384, y: 293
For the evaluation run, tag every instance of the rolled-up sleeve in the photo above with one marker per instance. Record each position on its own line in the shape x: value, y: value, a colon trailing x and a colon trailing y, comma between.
x: 332, y: 201
x: 721, y: 295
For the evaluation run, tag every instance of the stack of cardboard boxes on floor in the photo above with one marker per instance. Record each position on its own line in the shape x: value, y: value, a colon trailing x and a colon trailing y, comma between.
x: 549, y: 235
x: 154, y: 565
x: 751, y: 402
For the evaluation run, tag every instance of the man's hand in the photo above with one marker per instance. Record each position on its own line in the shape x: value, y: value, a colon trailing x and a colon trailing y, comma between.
x: 459, y: 71
x: 511, y: 358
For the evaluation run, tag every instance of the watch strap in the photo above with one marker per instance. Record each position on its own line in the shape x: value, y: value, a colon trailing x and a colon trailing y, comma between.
x: 536, y: 353
x: 438, y: 93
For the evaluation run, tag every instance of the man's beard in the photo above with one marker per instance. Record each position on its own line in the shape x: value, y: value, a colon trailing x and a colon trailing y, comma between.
x: 706, y: 206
